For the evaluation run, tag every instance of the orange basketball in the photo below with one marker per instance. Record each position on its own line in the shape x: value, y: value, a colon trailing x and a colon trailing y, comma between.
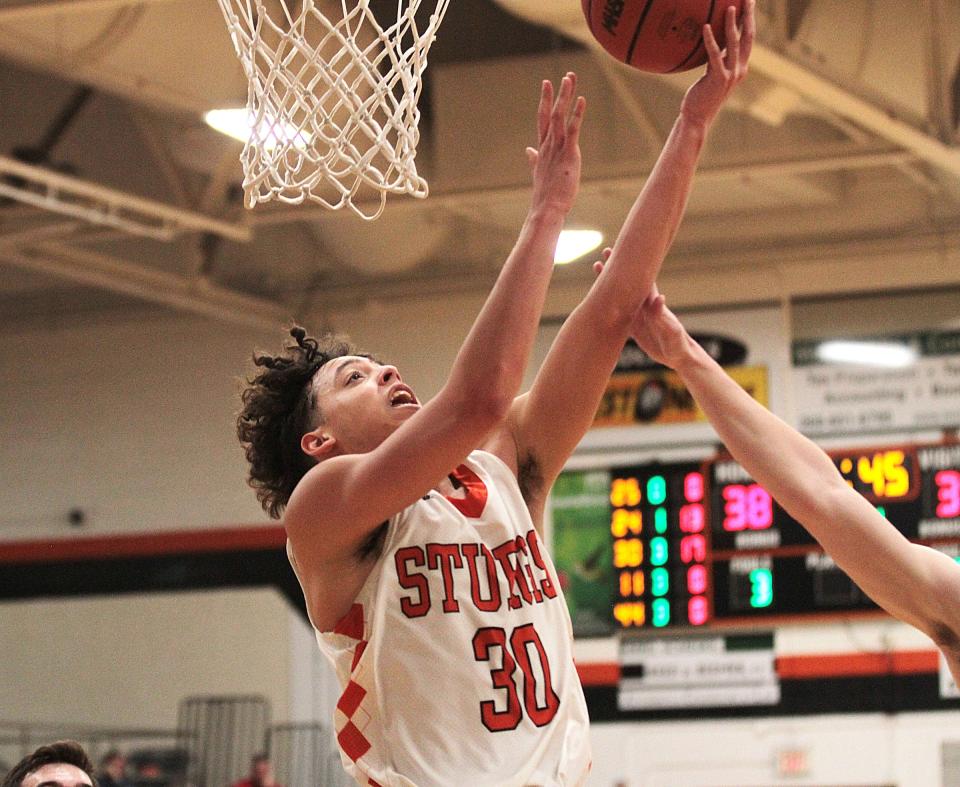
x: 661, y: 36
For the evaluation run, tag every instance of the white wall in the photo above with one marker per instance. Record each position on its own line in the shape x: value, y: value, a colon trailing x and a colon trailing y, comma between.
x: 130, y: 421
x: 869, y: 749
x: 127, y: 661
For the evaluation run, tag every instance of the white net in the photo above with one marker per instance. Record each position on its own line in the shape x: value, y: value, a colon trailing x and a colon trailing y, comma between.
x: 332, y: 99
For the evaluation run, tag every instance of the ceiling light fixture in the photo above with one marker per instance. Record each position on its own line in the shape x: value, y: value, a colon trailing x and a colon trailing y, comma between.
x: 238, y: 124
x: 574, y: 244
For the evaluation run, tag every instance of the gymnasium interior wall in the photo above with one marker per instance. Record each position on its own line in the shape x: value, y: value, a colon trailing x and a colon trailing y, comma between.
x: 131, y: 421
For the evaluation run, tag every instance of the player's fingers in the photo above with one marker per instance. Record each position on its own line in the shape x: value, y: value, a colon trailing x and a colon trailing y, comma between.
x: 532, y: 157
x: 543, y: 111
x: 600, y: 264
x: 563, y: 97
x: 749, y: 34
x: 574, y: 98
x: 576, y: 119
x: 733, y: 40
x: 559, y: 114
x: 714, y: 54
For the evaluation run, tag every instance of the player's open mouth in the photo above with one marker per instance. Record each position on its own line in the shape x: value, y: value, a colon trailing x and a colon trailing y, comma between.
x: 403, y: 396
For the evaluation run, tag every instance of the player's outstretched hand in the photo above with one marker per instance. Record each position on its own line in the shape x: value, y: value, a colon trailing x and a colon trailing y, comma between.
x: 725, y: 70
x: 659, y: 333
x: 556, y: 159
x: 655, y: 328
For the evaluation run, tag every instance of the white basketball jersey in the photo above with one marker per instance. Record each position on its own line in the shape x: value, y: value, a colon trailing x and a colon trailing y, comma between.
x: 456, y: 659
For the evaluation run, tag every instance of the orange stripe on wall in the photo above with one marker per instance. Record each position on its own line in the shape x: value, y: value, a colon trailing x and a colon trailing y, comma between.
x: 599, y: 674
x: 831, y: 665
x: 144, y: 545
x: 904, y: 662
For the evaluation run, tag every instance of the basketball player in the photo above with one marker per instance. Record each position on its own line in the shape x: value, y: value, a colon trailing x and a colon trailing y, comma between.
x: 914, y: 583
x: 60, y: 764
x: 415, y: 529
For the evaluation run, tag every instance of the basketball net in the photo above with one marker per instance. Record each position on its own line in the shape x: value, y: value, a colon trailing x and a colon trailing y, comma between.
x: 332, y: 99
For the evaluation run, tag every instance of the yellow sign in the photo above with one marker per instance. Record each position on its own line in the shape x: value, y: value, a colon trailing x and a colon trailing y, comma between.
x: 660, y: 397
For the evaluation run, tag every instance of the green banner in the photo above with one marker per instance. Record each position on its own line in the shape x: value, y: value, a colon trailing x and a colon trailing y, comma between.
x: 581, y: 549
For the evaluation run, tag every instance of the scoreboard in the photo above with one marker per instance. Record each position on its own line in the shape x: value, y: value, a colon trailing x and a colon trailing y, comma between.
x: 690, y: 544
x: 658, y: 521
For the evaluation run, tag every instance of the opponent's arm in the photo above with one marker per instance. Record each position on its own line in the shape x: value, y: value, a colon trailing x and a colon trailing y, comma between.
x: 912, y: 582
x: 352, y: 494
x: 549, y: 421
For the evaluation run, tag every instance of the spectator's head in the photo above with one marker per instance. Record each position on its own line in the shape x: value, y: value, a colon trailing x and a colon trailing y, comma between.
x: 113, y: 763
x: 260, y: 771
x: 61, y: 764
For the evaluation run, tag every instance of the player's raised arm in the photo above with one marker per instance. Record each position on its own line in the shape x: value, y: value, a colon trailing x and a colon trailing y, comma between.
x: 550, y: 420
x: 912, y: 582
x: 654, y: 219
x: 376, y: 459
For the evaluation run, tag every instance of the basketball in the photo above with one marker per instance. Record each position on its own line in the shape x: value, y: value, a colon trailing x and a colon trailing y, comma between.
x: 661, y: 36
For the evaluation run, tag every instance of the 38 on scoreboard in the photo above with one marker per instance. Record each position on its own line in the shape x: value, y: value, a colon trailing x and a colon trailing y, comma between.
x: 692, y: 543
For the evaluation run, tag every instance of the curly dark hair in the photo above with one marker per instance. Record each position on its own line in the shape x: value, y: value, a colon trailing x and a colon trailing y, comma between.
x: 279, y: 407
x: 67, y: 752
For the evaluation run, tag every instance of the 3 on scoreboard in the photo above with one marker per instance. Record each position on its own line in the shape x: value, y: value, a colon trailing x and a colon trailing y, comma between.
x: 688, y: 544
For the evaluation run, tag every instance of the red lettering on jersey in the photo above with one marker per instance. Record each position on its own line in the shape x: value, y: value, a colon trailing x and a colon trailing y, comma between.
x: 509, y: 718
x: 522, y: 637
x: 546, y: 584
x: 410, y: 581
x: 475, y: 493
x: 445, y: 557
x: 537, y: 595
x: 513, y: 573
x: 522, y: 546
x: 471, y: 552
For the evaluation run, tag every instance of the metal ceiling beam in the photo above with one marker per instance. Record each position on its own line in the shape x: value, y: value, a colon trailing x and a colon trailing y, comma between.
x: 41, y: 232
x: 832, y: 160
x: 101, y: 205
x: 26, y: 9
x: 841, y: 101
x: 788, y: 15
x: 196, y: 296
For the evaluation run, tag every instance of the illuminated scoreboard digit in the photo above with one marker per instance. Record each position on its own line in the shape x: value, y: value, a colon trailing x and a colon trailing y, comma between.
x: 939, y: 503
x: 666, y: 545
x: 948, y: 494
x: 765, y: 563
x: 886, y: 474
x: 743, y: 515
x: 658, y: 525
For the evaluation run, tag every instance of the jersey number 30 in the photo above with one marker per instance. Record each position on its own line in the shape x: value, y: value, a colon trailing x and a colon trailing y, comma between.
x: 513, y: 654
